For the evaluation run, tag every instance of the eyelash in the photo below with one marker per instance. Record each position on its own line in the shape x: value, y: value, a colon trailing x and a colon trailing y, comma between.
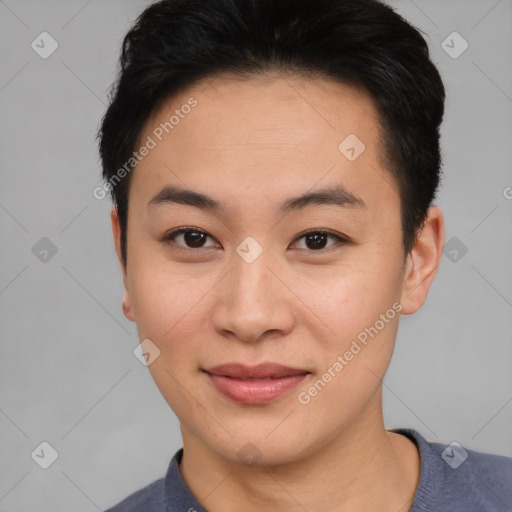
x: 169, y: 239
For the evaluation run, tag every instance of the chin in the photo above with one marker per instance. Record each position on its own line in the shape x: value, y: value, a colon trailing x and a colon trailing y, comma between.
x: 259, y: 451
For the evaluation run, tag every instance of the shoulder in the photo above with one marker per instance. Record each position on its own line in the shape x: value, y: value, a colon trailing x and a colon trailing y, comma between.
x: 496, y: 470
x: 149, y: 499
x: 456, y: 478
x: 486, y: 477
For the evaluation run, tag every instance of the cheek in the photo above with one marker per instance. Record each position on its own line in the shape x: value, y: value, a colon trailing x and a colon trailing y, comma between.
x: 352, y: 299
x: 169, y: 311
x: 354, y: 361
x: 164, y: 295
x: 362, y: 312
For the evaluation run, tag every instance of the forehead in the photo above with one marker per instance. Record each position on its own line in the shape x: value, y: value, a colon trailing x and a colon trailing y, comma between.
x: 264, y: 109
x: 266, y: 135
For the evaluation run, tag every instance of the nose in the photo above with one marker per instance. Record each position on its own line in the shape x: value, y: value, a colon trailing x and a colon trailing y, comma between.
x: 254, y: 302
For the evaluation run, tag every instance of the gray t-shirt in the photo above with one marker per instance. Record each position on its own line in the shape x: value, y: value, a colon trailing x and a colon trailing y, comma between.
x: 452, y: 479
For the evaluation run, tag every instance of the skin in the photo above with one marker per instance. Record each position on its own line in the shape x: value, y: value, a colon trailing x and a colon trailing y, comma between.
x: 251, y: 144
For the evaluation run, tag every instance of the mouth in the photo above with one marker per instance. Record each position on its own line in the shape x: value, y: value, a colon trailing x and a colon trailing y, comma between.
x: 254, y: 385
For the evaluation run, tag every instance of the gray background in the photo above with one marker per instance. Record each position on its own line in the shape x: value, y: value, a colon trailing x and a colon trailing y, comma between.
x: 68, y: 374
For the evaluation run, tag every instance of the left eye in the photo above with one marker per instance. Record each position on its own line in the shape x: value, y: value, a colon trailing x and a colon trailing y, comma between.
x: 316, y: 240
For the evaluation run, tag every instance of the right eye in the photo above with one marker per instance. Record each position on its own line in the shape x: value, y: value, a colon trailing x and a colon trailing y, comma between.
x: 191, y: 238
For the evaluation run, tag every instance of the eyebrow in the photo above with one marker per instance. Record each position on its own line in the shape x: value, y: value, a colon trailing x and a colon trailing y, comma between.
x: 334, y: 195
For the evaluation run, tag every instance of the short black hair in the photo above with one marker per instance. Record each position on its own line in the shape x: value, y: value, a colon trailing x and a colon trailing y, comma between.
x: 173, y: 44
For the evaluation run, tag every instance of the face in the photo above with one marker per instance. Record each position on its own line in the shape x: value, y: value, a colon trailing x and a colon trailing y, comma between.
x: 252, y: 281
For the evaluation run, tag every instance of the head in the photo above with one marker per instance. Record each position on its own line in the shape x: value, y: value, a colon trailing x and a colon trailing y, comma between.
x: 298, y: 142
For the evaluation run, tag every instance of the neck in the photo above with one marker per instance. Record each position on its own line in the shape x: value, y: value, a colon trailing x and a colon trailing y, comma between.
x: 364, y: 467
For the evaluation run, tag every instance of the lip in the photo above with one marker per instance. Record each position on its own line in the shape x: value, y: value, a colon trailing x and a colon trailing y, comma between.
x: 255, y: 384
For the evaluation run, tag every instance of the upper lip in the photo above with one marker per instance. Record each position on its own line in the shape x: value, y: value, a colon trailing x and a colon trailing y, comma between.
x: 260, y: 371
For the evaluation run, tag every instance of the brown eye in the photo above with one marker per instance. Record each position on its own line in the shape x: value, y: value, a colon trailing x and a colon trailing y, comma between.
x: 187, y: 238
x: 195, y: 239
x: 317, y: 240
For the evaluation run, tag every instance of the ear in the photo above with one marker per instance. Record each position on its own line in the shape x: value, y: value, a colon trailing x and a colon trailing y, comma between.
x: 116, y: 232
x: 423, y: 262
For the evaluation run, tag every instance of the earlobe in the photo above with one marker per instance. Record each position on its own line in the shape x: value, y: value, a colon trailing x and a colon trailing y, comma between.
x: 116, y: 233
x: 423, y: 262
x: 126, y: 306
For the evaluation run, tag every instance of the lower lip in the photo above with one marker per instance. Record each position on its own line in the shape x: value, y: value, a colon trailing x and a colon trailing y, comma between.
x: 258, y: 391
